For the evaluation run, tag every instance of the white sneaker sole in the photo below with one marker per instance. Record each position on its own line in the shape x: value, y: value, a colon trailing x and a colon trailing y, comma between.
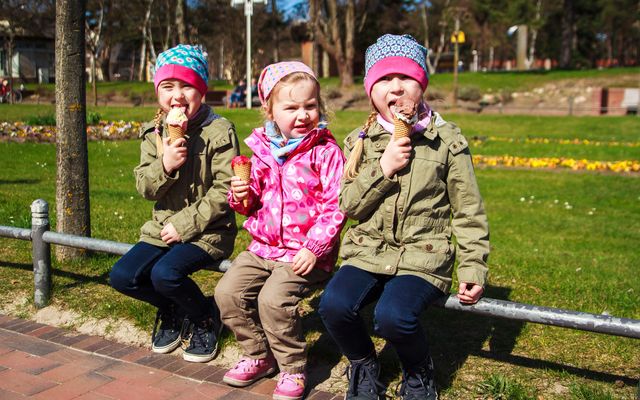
x: 239, y: 383
x: 168, y: 348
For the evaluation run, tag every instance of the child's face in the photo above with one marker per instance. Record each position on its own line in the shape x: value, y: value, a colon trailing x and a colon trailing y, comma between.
x: 389, y: 89
x: 295, y: 108
x: 177, y: 93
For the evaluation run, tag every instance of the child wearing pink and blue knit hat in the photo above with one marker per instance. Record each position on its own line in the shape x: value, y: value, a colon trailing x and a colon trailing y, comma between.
x: 409, y: 194
x: 191, y: 225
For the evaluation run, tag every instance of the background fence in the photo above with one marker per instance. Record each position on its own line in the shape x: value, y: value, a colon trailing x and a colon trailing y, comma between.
x: 42, y: 238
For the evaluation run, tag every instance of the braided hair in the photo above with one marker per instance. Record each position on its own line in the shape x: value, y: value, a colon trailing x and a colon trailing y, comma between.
x: 157, y: 120
x: 351, y: 167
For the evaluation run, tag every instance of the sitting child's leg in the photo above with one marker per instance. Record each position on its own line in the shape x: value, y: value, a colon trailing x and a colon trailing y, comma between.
x: 351, y: 289
x: 131, y: 275
x: 170, y: 278
x: 278, y: 308
x: 397, y: 320
x: 237, y: 295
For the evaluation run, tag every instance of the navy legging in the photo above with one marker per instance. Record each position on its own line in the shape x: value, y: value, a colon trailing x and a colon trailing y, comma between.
x: 160, y: 277
x: 401, y: 300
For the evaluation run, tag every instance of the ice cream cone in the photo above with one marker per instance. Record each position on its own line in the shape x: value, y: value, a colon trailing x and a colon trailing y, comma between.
x: 400, y: 128
x: 175, y: 133
x: 242, y: 168
x: 404, y: 116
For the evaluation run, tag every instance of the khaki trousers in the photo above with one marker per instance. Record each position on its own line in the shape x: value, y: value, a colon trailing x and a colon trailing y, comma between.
x: 258, y: 301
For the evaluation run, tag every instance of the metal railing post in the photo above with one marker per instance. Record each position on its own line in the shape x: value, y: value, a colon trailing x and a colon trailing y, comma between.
x: 40, y: 252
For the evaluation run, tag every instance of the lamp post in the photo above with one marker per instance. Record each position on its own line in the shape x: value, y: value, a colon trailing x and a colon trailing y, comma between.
x: 248, y: 12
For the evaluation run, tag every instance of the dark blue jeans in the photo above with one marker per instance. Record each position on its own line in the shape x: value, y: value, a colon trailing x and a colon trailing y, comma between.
x: 401, y: 300
x: 160, y: 277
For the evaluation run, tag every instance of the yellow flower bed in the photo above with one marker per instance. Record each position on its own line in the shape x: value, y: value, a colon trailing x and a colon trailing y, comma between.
x: 625, y: 166
x: 479, y: 140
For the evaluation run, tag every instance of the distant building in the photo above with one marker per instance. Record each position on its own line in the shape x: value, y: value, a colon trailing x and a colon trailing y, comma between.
x: 33, y: 57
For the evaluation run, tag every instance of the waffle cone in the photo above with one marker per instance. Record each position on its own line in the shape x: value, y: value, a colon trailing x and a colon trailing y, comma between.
x: 175, y: 133
x: 400, y: 129
x: 243, y: 171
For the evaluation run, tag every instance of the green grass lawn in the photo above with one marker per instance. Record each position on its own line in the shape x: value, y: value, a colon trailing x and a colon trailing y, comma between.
x: 560, y: 239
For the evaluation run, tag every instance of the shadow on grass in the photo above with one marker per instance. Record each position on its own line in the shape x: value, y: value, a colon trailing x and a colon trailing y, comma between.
x: 19, y: 181
x: 78, y: 279
x: 453, y: 337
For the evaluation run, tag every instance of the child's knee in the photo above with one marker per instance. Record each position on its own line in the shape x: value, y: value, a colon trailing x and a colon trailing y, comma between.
x: 119, y: 279
x: 392, y: 324
x: 333, y: 306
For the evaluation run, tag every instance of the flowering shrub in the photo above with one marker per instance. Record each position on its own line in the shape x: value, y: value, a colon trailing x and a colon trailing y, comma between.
x: 104, y: 130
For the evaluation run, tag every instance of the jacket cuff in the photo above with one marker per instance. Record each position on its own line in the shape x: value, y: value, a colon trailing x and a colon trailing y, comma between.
x: 475, y: 275
x: 317, y: 248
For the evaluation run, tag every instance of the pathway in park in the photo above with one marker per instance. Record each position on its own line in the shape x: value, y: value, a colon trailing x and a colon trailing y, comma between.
x: 44, y: 362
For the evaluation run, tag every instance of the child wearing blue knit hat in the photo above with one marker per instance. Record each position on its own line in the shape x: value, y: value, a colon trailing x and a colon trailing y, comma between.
x: 409, y: 194
x: 192, y: 225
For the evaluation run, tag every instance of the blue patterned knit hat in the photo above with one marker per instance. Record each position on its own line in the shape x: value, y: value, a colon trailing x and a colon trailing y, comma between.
x: 395, y: 54
x: 185, y: 62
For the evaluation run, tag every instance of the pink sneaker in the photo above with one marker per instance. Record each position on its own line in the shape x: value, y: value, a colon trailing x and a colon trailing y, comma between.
x: 248, y: 371
x: 289, y: 387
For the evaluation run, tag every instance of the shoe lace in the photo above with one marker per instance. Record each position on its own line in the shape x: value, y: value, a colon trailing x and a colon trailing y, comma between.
x: 164, y: 321
x: 245, y: 364
x: 361, y: 379
x: 298, y: 379
x: 424, y: 388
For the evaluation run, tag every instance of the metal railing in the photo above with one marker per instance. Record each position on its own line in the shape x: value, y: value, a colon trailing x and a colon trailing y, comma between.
x: 42, y: 238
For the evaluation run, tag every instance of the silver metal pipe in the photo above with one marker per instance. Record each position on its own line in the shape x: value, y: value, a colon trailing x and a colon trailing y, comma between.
x: 83, y: 242
x: 111, y: 247
x: 547, y: 316
x: 15, y: 233
x: 489, y: 307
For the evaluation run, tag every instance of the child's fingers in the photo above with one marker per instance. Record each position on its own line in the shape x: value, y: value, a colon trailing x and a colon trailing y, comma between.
x: 181, y: 142
x: 166, y: 141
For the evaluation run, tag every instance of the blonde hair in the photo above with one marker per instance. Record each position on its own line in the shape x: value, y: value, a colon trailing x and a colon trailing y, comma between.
x: 291, y: 79
x: 157, y: 120
x: 353, y: 163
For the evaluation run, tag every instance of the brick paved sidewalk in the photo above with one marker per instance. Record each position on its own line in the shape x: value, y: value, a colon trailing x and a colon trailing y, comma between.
x: 43, y: 362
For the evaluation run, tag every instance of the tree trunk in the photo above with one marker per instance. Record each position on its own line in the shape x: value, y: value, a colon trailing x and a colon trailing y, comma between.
x: 10, y: 66
x: 330, y: 35
x: 181, y: 24
x: 566, y: 44
x: 276, y: 31
x: 94, y: 78
x: 72, y: 178
x: 143, y: 46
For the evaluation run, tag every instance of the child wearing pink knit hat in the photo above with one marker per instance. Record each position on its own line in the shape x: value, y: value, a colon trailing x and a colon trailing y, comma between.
x: 409, y: 194
x: 291, y: 201
x: 191, y: 226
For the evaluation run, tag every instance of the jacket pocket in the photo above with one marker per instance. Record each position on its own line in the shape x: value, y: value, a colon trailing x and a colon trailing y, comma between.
x: 359, y: 243
x: 431, y: 256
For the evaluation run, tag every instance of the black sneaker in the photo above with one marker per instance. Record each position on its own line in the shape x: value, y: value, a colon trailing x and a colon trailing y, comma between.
x: 203, y: 339
x: 167, y: 331
x: 419, y: 383
x: 363, y: 380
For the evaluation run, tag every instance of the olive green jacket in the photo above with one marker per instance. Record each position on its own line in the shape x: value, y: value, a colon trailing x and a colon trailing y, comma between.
x: 405, y: 224
x: 193, y: 198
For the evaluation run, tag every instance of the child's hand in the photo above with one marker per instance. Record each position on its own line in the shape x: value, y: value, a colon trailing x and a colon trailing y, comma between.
x: 395, y: 156
x: 239, y: 189
x: 169, y: 235
x: 175, y: 154
x: 303, y: 262
x: 469, y: 293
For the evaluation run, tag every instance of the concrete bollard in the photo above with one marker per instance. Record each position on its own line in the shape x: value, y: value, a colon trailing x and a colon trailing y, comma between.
x: 40, y: 252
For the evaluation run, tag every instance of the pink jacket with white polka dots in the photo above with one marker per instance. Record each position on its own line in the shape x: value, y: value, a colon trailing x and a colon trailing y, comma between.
x: 294, y: 205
